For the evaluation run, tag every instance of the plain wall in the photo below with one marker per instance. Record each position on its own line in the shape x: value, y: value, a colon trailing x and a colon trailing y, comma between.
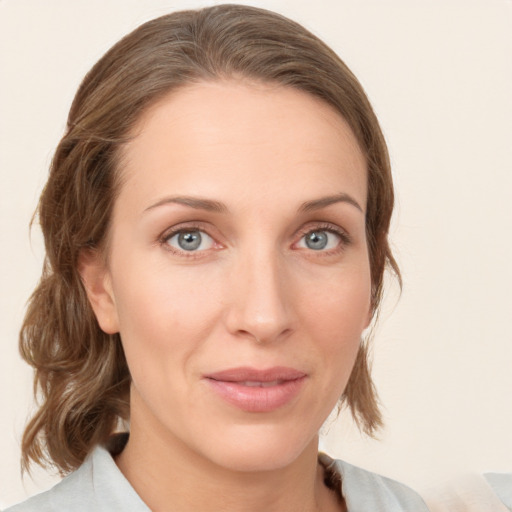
x: 439, y: 74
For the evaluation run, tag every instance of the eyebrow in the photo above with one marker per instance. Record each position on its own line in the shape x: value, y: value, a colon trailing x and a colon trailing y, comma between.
x: 217, y: 207
x: 192, y: 202
x: 323, y: 202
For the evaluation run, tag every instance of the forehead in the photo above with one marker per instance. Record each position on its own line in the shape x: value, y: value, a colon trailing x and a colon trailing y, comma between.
x: 217, y: 137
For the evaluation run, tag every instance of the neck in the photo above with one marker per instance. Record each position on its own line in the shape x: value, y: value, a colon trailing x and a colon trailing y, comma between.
x: 164, y: 471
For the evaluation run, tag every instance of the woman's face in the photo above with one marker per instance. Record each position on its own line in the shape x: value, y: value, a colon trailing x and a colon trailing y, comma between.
x: 238, y: 272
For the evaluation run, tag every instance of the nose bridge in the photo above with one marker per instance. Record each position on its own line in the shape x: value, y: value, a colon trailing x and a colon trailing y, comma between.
x: 259, y: 307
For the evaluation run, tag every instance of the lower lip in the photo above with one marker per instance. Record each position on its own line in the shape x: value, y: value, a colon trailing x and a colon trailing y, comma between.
x: 255, y: 398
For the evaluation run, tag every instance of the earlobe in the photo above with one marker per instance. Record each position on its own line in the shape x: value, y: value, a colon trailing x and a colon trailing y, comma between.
x: 98, y: 286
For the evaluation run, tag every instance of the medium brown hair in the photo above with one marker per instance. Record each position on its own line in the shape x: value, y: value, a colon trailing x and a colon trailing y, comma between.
x: 81, y: 376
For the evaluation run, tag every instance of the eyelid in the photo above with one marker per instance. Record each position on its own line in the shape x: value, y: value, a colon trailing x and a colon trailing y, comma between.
x: 204, y: 238
x: 345, y: 238
x: 185, y: 227
x: 206, y: 228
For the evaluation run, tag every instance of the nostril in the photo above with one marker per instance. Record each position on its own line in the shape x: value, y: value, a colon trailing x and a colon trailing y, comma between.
x: 269, y: 337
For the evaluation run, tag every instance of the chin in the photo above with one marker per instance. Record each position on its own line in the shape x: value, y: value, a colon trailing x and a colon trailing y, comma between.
x: 261, y: 448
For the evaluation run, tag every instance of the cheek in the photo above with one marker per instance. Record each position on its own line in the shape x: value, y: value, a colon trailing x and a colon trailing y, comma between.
x: 340, y: 303
x: 335, y: 316
x: 163, y: 316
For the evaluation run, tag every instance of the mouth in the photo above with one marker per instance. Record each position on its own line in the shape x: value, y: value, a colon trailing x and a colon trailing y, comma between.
x: 256, y: 384
x: 255, y: 390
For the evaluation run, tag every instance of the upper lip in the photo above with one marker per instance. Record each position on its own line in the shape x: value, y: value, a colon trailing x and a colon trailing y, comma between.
x: 246, y: 373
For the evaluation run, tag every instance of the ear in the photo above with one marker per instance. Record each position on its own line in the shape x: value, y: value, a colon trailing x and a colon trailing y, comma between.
x: 98, y: 286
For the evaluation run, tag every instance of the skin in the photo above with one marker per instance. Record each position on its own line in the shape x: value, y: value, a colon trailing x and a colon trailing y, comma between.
x: 253, y: 294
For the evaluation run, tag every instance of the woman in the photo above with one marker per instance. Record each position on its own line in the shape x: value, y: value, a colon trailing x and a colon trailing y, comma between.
x: 216, y: 223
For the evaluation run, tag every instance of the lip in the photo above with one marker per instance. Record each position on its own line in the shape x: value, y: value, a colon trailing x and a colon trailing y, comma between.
x: 257, y: 390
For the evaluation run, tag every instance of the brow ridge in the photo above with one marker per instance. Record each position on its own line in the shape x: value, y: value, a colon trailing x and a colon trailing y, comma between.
x: 218, y: 207
x: 197, y: 203
x: 323, y: 202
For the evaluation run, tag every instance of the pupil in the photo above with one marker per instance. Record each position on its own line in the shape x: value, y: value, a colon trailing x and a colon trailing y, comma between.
x: 189, y: 241
x: 316, y: 240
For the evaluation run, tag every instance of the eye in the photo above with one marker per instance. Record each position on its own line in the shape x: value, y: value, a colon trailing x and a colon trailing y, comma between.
x: 320, y: 240
x: 192, y: 240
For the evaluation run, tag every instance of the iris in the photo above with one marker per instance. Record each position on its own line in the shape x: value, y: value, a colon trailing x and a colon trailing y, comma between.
x: 189, y: 240
x: 317, y: 240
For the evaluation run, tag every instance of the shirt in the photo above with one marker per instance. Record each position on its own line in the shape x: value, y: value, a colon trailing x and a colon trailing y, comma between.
x: 98, y: 485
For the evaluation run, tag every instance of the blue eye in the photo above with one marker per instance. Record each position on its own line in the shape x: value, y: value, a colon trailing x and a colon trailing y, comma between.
x: 320, y: 240
x: 192, y: 240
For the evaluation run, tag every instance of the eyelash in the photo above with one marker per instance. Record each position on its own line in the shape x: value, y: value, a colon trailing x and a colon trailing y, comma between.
x: 176, y: 230
x: 345, y: 239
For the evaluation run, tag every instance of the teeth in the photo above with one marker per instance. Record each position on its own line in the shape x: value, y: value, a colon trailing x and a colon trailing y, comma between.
x: 254, y: 384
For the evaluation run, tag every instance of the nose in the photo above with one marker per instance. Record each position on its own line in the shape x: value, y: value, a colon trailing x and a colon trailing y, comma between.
x: 260, y: 308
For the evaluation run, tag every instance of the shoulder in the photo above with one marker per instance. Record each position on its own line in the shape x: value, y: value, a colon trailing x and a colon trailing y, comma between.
x: 472, y: 492
x: 364, y: 490
x: 72, y: 493
x: 97, y: 485
x: 501, y: 484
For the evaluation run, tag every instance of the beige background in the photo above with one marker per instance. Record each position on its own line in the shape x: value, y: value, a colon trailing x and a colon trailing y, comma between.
x: 439, y: 74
